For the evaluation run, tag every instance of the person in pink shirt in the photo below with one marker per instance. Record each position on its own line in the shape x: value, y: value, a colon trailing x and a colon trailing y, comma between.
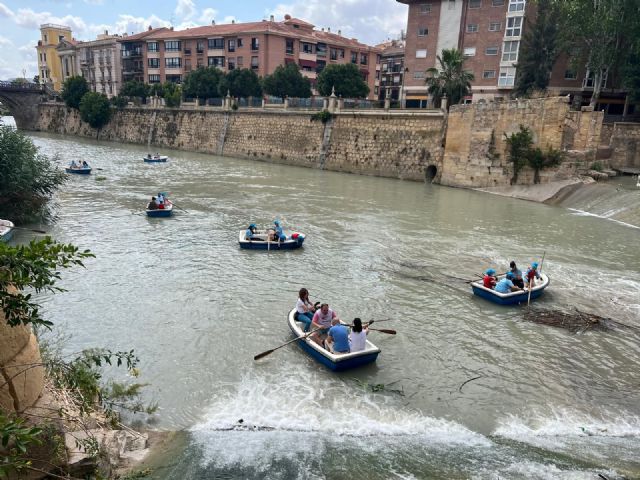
x: 321, y: 323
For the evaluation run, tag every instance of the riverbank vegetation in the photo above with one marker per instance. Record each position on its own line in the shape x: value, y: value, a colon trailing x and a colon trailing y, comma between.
x: 521, y: 153
x: 28, y: 179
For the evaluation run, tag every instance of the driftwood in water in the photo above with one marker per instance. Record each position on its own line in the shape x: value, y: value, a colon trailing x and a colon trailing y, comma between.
x: 576, y: 321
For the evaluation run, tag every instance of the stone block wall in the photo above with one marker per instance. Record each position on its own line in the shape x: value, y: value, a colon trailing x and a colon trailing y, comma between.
x: 476, y: 149
x: 625, y: 145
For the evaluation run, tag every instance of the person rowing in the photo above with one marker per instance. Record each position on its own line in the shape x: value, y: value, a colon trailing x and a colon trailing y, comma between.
x: 532, y: 274
x: 506, y: 284
x: 322, y: 323
x: 489, y: 280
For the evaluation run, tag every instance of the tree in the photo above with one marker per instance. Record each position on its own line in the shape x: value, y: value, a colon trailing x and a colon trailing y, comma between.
x: 522, y: 153
x: 95, y: 109
x: 241, y: 82
x: 450, y: 79
x: 119, y: 101
x: 539, y: 49
x: 27, y: 178
x: 73, y: 89
x: 595, y: 31
x: 346, y: 79
x: 202, y: 83
x: 135, y: 89
x: 287, y: 81
x: 172, y: 94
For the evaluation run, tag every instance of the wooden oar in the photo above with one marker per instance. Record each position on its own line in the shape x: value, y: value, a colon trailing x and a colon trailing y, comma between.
x: 178, y: 206
x: 384, y: 330
x: 269, y: 352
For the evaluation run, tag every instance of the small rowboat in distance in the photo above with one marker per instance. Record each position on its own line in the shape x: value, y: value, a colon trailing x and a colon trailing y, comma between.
x: 6, y: 230
x: 294, y: 240
x: 155, y: 158
x: 161, y: 212
x: 511, y: 298
x: 79, y: 170
x: 337, y: 362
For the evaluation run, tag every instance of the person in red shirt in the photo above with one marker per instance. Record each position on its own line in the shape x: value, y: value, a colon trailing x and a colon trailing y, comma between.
x: 489, y: 279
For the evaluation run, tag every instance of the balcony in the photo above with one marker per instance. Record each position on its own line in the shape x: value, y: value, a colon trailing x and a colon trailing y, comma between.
x: 309, y: 74
x: 308, y: 56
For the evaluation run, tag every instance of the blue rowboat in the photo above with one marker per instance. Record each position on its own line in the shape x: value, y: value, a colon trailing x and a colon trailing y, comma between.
x: 161, y: 212
x: 6, y: 230
x: 337, y: 362
x: 79, y: 170
x: 511, y: 298
x: 294, y: 240
x: 155, y: 158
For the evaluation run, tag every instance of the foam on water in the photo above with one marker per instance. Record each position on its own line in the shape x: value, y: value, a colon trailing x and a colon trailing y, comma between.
x: 605, y: 216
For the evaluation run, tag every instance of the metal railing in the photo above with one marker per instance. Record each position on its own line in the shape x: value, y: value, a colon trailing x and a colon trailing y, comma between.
x: 21, y: 86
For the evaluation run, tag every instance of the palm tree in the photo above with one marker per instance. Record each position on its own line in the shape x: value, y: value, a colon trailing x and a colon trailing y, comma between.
x: 450, y: 78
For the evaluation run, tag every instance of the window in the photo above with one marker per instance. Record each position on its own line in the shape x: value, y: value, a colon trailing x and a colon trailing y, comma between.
x: 154, y: 78
x: 495, y: 26
x: 341, y: 52
x: 306, y: 47
x: 289, y: 47
x: 507, y: 77
x: 215, y: 62
x: 418, y: 75
x: 321, y: 49
x: 152, y: 46
x: 472, y: 28
x: 469, y: 51
x: 364, y: 59
x: 45, y: 38
x: 514, y: 26
x: 510, y: 51
x: 375, y: 90
x: 421, y: 53
x: 354, y: 57
x: 396, y: 79
x: 497, y: 3
x: 200, y: 46
x: 423, y: 31
x: 153, y: 62
x: 240, y: 62
x: 173, y: 62
x: 491, y: 51
x: 216, y: 44
x: 425, y: 8
x: 200, y: 63
x: 231, y: 63
x: 333, y: 54
x: 516, y: 5
x: 172, y: 46
x: 475, y: 3
x: 231, y: 45
x: 378, y: 59
x: 174, y: 78
x: 239, y: 42
x: 570, y: 75
x: 488, y: 74
x: 254, y: 63
x: 255, y: 44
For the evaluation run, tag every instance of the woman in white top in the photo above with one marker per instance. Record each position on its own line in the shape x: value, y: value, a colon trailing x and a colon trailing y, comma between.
x: 304, y: 309
x: 358, y: 336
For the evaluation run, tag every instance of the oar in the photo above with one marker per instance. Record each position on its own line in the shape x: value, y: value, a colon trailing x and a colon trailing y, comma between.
x: 29, y: 229
x: 384, y: 330
x: 178, y: 206
x: 269, y: 352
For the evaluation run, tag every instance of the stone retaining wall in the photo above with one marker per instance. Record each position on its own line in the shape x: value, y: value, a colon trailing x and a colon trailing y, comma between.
x: 625, y: 145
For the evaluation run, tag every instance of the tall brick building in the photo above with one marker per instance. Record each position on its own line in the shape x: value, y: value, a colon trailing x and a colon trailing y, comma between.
x: 489, y: 33
x: 163, y: 54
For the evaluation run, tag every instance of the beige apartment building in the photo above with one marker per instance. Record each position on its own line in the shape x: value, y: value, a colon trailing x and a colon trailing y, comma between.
x: 49, y: 64
x: 489, y: 33
x: 165, y: 55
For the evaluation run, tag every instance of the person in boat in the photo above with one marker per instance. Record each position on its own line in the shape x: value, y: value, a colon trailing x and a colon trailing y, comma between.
x: 489, y: 280
x: 252, y: 233
x: 516, y: 278
x: 148, y: 155
x: 358, y: 336
x: 73, y: 164
x: 321, y: 322
x: 506, y: 284
x: 152, y: 205
x: 532, y: 274
x: 85, y: 164
x: 304, y: 309
x: 338, y: 338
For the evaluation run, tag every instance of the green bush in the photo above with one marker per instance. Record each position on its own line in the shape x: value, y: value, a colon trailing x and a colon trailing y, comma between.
x: 324, y: 116
x: 597, y: 166
x: 95, y: 109
x: 522, y: 153
x: 73, y: 89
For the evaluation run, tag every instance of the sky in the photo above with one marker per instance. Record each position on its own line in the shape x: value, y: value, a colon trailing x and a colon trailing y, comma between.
x: 370, y: 21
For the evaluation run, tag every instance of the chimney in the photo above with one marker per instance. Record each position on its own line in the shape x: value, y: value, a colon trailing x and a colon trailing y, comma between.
x: 171, y: 28
x: 329, y: 29
x: 150, y: 28
x: 213, y: 22
x: 339, y: 32
x: 287, y: 17
x: 106, y: 32
x: 271, y: 18
x: 322, y: 29
x: 233, y: 20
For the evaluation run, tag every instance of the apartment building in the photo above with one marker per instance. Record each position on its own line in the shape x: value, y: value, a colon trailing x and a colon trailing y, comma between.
x: 391, y: 70
x: 99, y: 62
x: 489, y: 33
x: 165, y: 55
x: 49, y: 64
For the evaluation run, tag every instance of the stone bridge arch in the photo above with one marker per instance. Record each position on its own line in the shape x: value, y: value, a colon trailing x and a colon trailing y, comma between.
x: 22, y: 100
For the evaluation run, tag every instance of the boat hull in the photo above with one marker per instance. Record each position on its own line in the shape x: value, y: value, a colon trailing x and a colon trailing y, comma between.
x: 7, y: 231
x: 335, y: 362
x: 155, y: 160
x: 289, y: 244
x: 513, y: 298
x: 160, y: 213
x: 79, y: 171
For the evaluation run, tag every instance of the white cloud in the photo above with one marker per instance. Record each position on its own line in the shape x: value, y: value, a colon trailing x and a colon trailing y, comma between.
x: 27, y: 18
x: 185, y: 9
x: 5, y: 11
x: 5, y: 42
x: 130, y: 24
x: 207, y: 15
x: 370, y: 21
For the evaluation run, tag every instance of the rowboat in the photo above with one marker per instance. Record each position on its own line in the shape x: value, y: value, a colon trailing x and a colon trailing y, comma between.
x: 260, y: 241
x: 79, y: 170
x: 155, y: 158
x: 161, y: 212
x: 511, y: 298
x: 337, y: 362
x: 6, y: 230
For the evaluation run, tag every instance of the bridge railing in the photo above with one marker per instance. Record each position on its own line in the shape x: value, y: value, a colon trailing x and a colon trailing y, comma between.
x: 22, y: 86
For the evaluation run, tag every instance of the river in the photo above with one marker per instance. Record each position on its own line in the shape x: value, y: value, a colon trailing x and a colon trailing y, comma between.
x: 196, y: 309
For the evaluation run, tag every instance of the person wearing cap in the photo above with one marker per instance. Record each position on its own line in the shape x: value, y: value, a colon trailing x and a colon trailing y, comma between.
x: 489, y: 280
x: 532, y: 274
x: 250, y: 234
x: 506, y: 285
x: 276, y: 233
x: 517, y: 279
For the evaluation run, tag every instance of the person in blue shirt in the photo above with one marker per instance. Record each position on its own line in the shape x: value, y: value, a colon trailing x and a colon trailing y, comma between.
x: 517, y: 275
x: 338, y: 337
x: 250, y: 234
x: 506, y: 285
x: 278, y: 234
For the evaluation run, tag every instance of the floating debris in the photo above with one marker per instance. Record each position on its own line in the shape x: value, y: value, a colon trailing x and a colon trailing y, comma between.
x: 574, y: 321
